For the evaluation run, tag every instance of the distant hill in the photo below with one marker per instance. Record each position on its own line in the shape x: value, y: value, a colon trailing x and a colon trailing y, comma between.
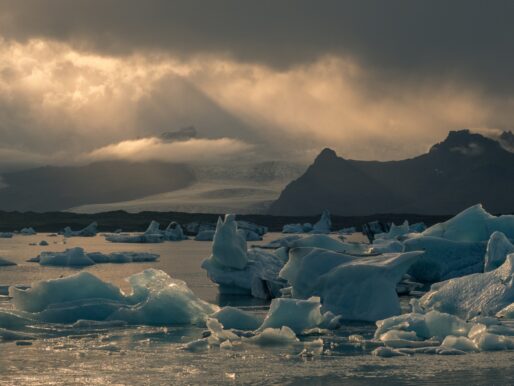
x: 463, y: 170
x: 52, y: 188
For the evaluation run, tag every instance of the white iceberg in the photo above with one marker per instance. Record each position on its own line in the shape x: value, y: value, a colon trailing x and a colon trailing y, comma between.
x: 90, y: 231
x: 356, y: 288
x: 235, y: 318
x: 240, y: 271
x: 298, y: 315
x: 324, y: 225
x: 28, y: 231
x: 174, y: 232
x: 395, y: 231
x: 473, y: 224
x: 275, y: 337
x: 498, y: 247
x: 229, y: 245
x: 77, y: 257
x: 156, y: 299
x: 441, y: 333
x: 444, y: 259
x: 480, y: 294
x: 326, y: 242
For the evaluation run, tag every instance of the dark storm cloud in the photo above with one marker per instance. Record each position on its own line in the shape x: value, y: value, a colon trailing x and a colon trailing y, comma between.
x: 468, y: 40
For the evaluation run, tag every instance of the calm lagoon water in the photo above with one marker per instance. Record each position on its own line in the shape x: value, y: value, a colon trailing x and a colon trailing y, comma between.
x: 153, y: 355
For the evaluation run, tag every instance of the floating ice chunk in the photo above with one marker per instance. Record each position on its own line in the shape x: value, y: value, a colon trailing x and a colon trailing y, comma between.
x: 156, y: 299
x: 365, y: 289
x: 43, y: 243
x: 122, y: 257
x: 197, y: 345
x: 282, y: 242
x: 507, y: 312
x: 80, y: 286
x: 238, y: 319
x: 356, y: 288
x: 259, y: 278
x: 28, y: 231
x: 327, y: 242
x: 174, y: 232
x: 417, y: 227
x: 292, y: 228
x: 486, y: 341
x: 479, y: 294
x: 305, y: 267
x: 4, y: 262
x: 445, y: 259
x: 229, y: 245
x: 498, y: 247
x: 260, y: 230
x: 472, y: 225
x: 324, y: 225
x: 218, y: 333
x: 395, y: 231
x: 299, y: 315
x: 74, y: 257
x: 387, y: 352
x: 6, y: 235
x: 162, y: 300
x: 386, y: 246
x: 347, y: 231
x: 275, y: 337
x: 90, y: 231
x: 205, y: 235
x: 461, y: 343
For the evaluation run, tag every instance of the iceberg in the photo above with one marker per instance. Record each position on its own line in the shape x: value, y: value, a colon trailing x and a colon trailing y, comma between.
x: 357, y: 288
x: 90, y: 231
x: 153, y: 234
x: 28, y: 232
x: 77, y: 257
x: 275, y: 337
x: 444, y: 259
x: 395, y: 231
x: 298, y: 315
x: 324, y: 225
x: 292, y: 228
x: 472, y: 225
x: 174, y: 232
x: 235, y: 318
x: 6, y: 235
x: 229, y: 245
x: 498, y: 247
x: 440, y: 333
x: 238, y: 270
x: 479, y: 294
x: 156, y: 299
x: 4, y: 262
x: 205, y: 235
x: 326, y: 242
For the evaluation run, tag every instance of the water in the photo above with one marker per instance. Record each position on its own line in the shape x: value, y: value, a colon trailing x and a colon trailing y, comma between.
x: 153, y: 355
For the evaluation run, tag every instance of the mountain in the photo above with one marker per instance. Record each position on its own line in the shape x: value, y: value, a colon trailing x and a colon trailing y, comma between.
x: 58, y: 188
x: 463, y: 170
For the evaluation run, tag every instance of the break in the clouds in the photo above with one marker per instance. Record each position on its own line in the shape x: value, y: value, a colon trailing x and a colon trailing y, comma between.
x: 372, y: 79
x: 151, y: 149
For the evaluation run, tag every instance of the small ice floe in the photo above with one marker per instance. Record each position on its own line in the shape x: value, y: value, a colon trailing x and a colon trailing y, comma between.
x: 4, y: 262
x: 77, y: 257
x: 90, y: 231
x: 28, y: 232
x: 153, y: 234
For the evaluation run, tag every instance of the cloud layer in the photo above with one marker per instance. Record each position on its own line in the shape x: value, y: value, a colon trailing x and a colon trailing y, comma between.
x: 372, y: 79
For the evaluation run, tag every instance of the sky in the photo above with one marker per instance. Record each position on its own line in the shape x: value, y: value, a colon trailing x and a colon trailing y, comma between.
x: 89, y: 80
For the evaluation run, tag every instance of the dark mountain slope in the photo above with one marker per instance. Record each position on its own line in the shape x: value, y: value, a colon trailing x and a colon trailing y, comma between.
x: 461, y: 171
x: 58, y: 188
